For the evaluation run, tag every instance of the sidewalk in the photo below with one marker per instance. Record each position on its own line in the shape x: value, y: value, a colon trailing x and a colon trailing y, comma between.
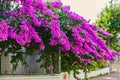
x: 28, y: 77
x: 115, y: 75
x: 112, y: 76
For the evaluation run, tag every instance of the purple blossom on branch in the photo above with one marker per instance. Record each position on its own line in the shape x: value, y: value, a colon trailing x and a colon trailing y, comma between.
x: 103, y: 32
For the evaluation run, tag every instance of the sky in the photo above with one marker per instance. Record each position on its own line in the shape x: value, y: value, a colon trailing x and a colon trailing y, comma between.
x: 89, y: 9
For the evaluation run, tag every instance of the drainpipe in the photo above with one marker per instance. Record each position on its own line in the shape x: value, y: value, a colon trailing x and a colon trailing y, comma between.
x: 110, y: 64
x: 59, y: 62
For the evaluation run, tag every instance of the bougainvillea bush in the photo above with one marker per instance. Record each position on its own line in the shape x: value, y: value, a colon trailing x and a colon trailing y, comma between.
x: 50, y: 27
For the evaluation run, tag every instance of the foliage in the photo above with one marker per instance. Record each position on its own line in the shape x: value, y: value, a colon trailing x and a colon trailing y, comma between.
x: 109, y: 19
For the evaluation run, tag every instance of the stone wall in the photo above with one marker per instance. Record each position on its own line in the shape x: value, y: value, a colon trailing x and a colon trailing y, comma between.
x: 34, y: 67
x: 5, y: 67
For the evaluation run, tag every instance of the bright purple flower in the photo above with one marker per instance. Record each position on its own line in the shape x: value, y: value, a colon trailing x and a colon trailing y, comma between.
x: 113, y: 52
x: 74, y: 63
x: 56, y: 4
x: 36, y: 22
x: 75, y: 50
x: 7, y: 13
x: 81, y: 59
x: 36, y: 38
x: 53, y: 42
x: 28, y: 45
x: 65, y: 47
x: 74, y: 16
x: 48, y: 12
x: 27, y: 2
x: 50, y: 67
x: 45, y: 23
x: 0, y: 50
x: 20, y: 41
x: 62, y: 41
x: 12, y: 34
x: 22, y: 10
x: 88, y: 49
x: 88, y: 61
x: 66, y: 9
x: 104, y: 32
x: 93, y: 27
x: 67, y: 54
x: 41, y: 47
x: 55, y: 29
x: 6, y: 71
x: 24, y: 28
x: 25, y: 68
x: 3, y: 31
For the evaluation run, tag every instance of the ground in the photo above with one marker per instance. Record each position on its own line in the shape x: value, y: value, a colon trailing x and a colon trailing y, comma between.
x: 114, y: 75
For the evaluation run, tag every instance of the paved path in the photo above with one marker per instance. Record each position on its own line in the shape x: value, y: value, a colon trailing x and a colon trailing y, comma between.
x: 115, y: 75
x: 116, y: 66
x: 112, y: 76
x: 32, y: 77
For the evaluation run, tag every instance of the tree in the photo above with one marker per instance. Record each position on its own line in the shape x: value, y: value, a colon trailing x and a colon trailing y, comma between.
x: 50, y: 27
x: 109, y: 19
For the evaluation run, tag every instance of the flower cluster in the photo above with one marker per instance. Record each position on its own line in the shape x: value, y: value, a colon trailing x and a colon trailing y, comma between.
x: 3, y: 31
x: 56, y: 4
x: 55, y: 31
x: 104, y: 32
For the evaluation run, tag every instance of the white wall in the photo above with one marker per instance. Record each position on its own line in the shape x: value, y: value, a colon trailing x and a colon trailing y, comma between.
x: 89, y: 9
